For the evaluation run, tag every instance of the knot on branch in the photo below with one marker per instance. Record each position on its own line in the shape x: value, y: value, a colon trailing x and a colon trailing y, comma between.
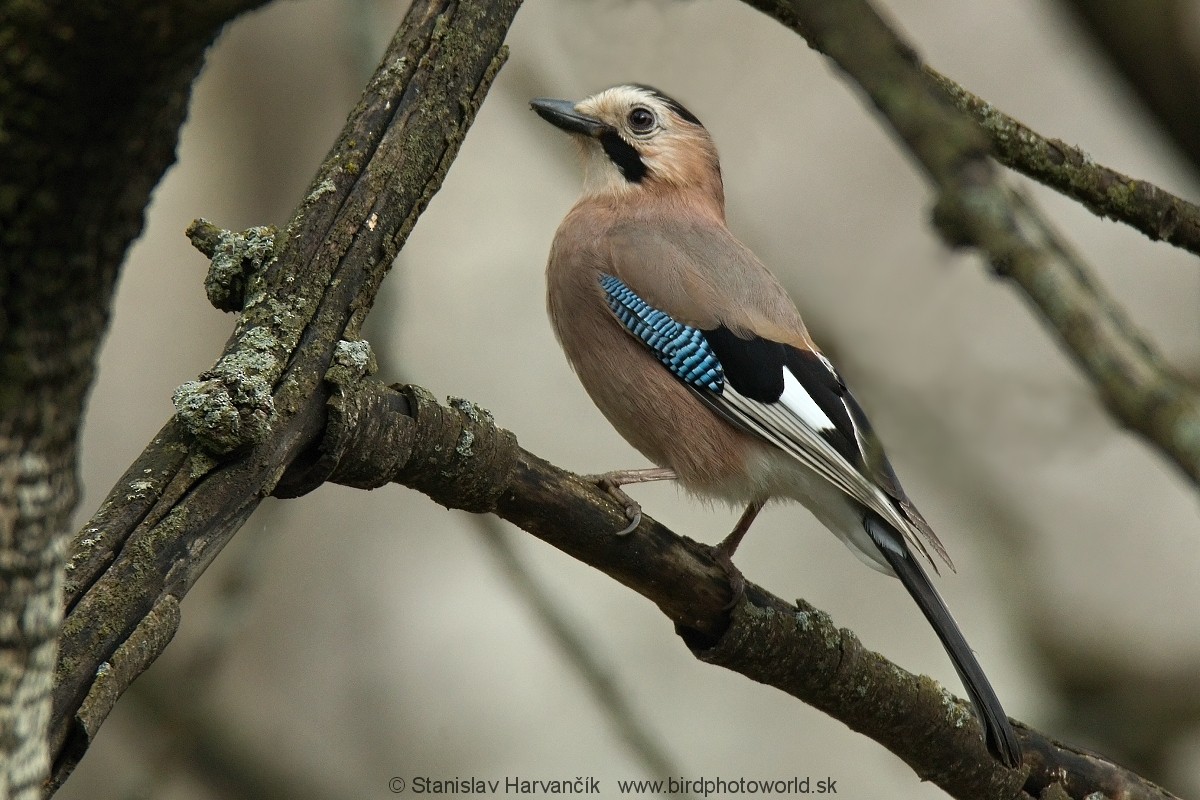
x: 763, y: 634
x: 457, y: 455
x: 352, y: 361
x: 235, y: 258
x: 231, y: 406
x: 378, y: 434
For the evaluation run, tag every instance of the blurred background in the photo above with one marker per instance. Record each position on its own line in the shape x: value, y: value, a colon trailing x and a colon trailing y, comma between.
x: 345, y: 638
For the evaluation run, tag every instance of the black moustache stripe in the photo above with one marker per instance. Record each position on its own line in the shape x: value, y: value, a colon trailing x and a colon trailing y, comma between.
x: 623, y: 154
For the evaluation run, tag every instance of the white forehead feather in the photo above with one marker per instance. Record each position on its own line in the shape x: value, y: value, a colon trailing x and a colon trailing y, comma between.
x: 678, y: 152
x: 615, y: 101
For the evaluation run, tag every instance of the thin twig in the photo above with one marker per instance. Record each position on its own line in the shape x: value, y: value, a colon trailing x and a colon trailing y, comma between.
x: 1069, y: 170
x: 975, y: 208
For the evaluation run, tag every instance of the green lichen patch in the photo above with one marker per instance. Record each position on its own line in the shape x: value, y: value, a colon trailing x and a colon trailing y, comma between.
x: 235, y: 260
x: 477, y: 414
x: 208, y: 412
x: 231, y: 405
x: 352, y: 361
x: 324, y: 187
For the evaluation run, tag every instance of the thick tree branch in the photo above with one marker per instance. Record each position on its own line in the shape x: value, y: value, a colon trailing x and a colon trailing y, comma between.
x: 456, y: 454
x: 262, y: 403
x: 92, y: 96
x: 975, y: 208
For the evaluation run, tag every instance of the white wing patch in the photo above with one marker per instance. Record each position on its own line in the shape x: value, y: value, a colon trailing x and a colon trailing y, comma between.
x: 800, y: 402
x: 794, y: 424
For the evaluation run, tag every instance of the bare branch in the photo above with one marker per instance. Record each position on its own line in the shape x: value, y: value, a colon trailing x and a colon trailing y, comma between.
x: 180, y: 503
x: 975, y: 208
x: 462, y: 460
x: 1067, y: 169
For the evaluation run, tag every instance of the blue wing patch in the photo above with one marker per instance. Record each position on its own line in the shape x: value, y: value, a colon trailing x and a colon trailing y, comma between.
x: 681, y: 348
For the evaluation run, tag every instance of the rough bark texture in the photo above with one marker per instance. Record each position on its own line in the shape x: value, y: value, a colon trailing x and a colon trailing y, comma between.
x: 1103, y: 191
x: 93, y: 96
x: 243, y: 422
x: 458, y: 456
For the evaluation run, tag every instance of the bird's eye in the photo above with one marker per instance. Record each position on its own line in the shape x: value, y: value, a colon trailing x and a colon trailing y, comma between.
x: 641, y: 120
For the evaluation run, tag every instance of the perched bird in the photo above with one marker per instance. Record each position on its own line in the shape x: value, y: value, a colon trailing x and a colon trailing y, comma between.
x: 698, y: 357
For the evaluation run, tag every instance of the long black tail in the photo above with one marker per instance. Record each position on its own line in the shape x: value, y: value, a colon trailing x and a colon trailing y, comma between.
x: 998, y: 733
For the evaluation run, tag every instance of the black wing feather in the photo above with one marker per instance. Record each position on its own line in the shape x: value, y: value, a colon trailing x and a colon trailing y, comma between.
x: 828, y: 391
x: 752, y: 366
x: 745, y: 381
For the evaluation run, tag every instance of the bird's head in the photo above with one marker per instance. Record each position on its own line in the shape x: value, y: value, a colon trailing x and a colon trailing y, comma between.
x: 636, y: 139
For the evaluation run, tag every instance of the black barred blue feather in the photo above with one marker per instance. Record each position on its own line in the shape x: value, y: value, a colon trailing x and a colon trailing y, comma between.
x: 681, y: 348
x: 790, y: 397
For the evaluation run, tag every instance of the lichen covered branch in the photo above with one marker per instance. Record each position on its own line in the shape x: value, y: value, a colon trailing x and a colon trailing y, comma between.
x: 263, y: 404
x: 1067, y: 169
x: 457, y: 455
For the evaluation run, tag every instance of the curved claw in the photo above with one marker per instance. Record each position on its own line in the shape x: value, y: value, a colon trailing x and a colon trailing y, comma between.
x: 612, y: 487
x: 635, y: 520
x: 611, y: 482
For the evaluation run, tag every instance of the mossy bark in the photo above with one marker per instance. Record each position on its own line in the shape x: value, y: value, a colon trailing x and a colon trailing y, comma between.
x: 261, y: 408
x: 92, y: 95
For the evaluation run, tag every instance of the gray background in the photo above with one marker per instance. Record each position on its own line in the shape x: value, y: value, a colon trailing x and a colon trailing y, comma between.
x: 345, y: 638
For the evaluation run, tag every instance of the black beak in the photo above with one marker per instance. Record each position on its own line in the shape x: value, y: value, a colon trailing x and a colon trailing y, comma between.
x: 562, y: 114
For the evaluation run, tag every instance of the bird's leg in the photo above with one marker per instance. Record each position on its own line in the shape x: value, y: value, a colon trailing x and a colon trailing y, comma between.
x: 611, y: 482
x: 725, y: 550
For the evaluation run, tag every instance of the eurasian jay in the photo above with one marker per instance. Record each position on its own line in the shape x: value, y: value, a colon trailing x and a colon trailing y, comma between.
x: 698, y: 357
